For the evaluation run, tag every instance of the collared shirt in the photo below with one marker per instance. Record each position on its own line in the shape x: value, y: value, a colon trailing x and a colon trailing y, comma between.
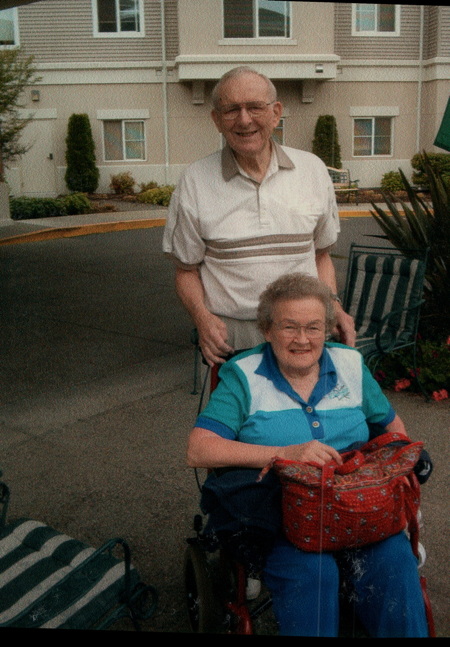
x: 254, y: 403
x: 243, y: 234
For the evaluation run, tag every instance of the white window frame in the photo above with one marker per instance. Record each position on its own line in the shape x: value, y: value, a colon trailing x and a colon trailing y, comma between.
x: 256, y: 38
x: 124, y: 121
x: 15, y: 17
x: 373, y: 155
x: 376, y: 32
x: 118, y: 34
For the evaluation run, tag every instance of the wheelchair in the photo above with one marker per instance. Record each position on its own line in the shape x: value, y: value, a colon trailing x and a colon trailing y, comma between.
x: 216, y: 585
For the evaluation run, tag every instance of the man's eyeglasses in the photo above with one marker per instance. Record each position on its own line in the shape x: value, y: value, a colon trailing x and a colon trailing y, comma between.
x: 254, y: 108
x: 289, y: 329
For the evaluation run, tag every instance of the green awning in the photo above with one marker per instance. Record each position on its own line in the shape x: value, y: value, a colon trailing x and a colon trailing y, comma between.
x: 443, y: 137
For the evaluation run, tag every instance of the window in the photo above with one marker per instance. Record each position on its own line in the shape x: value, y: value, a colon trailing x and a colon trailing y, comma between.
x: 8, y: 28
x: 376, y: 19
x: 118, y: 17
x: 124, y: 140
x: 278, y: 133
x: 256, y: 18
x: 372, y: 136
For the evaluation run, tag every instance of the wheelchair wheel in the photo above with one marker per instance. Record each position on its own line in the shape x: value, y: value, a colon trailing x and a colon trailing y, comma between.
x: 201, y: 602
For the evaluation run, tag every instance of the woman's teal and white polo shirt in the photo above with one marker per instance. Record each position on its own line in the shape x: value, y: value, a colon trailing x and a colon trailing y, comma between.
x: 254, y: 403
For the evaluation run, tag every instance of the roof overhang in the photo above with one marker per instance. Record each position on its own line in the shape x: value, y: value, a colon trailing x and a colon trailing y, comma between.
x: 293, y: 67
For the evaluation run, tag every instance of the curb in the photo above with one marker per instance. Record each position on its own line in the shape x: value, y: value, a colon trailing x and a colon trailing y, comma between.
x: 82, y: 230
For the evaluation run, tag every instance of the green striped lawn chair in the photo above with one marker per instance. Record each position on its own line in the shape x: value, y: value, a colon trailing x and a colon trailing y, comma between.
x: 50, y: 580
x: 383, y: 293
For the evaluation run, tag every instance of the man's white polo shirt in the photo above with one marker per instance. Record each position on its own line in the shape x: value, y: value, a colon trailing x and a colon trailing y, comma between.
x: 243, y: 234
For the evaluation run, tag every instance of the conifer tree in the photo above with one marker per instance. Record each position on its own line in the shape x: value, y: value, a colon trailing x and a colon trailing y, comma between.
x: 82, y: 174
x: 326, y: 141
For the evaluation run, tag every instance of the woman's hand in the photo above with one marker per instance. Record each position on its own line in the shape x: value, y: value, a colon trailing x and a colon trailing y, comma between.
x: 312, y: 451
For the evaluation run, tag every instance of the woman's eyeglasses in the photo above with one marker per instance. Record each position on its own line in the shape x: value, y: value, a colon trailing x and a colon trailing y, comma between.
x: 290, y: 330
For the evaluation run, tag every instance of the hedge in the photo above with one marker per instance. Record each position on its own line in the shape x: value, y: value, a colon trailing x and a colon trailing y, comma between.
x: 32, y: 208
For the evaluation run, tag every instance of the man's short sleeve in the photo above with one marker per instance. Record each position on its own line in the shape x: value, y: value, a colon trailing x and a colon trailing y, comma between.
x: 182, y: 240
x: 328, y: 228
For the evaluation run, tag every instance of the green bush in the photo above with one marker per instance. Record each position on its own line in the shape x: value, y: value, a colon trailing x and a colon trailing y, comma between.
x: 82, y: 173
x: 326, y: 141
x: 32, y: 208
x: 76, y: 203
x: 145, y: 186
x: 439, y: 162
x: 392, y: 181
x: 122, y: 183
x: 159, y: 195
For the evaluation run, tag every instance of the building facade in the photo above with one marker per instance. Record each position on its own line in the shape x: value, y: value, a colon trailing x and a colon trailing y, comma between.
x: 143, y: 71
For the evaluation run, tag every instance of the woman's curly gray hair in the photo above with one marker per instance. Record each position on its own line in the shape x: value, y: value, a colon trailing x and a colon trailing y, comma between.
x: 290, y: 287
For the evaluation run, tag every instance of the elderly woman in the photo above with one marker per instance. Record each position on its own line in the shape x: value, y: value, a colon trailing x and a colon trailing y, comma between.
x: 301, y: 398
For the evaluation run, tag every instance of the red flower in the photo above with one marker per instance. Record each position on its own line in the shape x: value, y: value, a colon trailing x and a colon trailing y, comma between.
x: 401, y: 384
x: 448, y: 341
x: 379, y: 376
x: 439, y: 395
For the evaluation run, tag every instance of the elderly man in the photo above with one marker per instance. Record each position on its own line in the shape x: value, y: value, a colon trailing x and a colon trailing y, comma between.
x: 243, y: 216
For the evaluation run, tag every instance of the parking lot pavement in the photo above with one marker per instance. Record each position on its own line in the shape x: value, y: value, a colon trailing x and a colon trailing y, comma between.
x: 96, y: 404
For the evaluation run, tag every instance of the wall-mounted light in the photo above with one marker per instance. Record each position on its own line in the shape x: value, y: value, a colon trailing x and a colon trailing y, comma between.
x: 35, y: 95
x: 319, y: 68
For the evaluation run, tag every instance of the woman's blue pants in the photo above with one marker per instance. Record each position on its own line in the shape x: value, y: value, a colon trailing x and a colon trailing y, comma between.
x: 383, y: 579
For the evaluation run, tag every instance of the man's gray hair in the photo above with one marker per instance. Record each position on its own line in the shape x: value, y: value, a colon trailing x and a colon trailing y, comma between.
x: 236, y: 72
x: 290, y: 287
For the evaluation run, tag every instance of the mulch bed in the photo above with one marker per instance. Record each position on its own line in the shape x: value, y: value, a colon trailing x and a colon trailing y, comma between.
x: 366, y: 196
x: 102, y: 202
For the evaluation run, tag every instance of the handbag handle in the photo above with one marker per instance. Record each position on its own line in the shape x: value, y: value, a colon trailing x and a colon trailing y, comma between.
x: 354, y: 459
x: 384, y: 439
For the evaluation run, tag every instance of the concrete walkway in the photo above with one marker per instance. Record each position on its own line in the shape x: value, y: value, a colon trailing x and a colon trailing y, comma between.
x: 96, y: 403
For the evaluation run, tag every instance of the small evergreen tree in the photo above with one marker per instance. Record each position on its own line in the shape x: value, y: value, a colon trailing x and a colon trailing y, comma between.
x: 82, y: 173
x: 326, y: 141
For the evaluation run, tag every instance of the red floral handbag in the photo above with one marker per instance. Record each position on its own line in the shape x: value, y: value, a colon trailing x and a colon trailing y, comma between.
x: 374, y: 494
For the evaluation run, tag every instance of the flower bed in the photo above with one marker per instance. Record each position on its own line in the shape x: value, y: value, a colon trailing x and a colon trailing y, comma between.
x: 433, y: 370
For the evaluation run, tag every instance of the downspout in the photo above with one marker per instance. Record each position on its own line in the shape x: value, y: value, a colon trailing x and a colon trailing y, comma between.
x: 164, y: 92
x: 420, y: 81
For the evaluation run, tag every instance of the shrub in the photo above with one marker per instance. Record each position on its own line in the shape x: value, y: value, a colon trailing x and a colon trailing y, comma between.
x: 145, y: 186
x: 122, y: 183
x: 32, y: 208
x: 159, y: 195
x: 326, y: 141
x: 76, y: 203
x: 392, y: 181
x: 439, y: 162
x: 82, y: 173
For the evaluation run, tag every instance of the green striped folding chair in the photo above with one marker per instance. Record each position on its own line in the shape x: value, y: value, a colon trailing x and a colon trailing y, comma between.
x: 50, y: 580
x: 383, y: 293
